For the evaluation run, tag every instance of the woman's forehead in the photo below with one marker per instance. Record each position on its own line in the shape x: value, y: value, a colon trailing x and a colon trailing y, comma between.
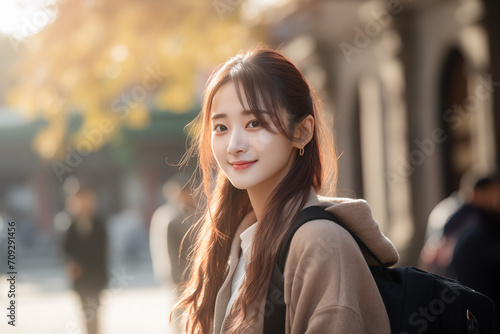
x: 227, y: 99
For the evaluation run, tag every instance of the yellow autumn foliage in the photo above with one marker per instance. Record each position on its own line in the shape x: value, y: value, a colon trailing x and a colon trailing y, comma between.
x: 117, y: 59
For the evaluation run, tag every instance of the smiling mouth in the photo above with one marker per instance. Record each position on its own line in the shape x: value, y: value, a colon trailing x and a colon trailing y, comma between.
x: 242, y: 164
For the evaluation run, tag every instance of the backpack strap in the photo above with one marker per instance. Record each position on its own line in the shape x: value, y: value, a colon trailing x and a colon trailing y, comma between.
x: 314, y: 213
x: 275, y: 317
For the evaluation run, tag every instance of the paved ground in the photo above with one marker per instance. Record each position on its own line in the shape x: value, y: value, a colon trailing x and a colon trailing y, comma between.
x: 134, y: 310
x: 46, y: 305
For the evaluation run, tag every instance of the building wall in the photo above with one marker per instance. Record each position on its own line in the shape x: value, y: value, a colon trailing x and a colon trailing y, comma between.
x: 384, y: 64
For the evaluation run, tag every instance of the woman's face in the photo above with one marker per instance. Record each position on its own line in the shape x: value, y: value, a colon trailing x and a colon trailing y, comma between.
x: 252, y: 157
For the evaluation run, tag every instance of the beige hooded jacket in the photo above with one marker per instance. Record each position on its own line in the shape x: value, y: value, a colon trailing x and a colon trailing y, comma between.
x: 328, y: 285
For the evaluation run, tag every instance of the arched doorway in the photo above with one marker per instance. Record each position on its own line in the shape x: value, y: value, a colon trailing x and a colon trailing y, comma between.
x: 455, y: 120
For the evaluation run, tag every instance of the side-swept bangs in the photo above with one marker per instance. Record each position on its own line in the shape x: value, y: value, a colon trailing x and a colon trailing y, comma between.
x: 257, y: 91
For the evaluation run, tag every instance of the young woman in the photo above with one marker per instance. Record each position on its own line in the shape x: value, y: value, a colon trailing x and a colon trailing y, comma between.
x: 264, y: 155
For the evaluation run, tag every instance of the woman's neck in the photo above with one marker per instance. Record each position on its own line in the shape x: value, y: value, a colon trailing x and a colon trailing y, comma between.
x: 259, y: 198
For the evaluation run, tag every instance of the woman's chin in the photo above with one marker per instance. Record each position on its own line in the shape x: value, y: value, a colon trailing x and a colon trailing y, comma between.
x: 239, y: 186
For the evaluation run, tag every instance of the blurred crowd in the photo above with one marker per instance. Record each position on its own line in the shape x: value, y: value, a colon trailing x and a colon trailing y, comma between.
x: 85, y: 244
x: 464, y: 236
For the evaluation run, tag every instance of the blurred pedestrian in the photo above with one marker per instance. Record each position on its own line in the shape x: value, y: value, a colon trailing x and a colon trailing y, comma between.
x: 85, y: 246
x: 169, y: 238
x: 437, y: 252
x: 169, y: 225
x: 476, y: 258
x: 435, y: 256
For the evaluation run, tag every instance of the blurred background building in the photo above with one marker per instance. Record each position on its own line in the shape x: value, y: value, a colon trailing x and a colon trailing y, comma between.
x: 413, y: 89
x: 101, y: 91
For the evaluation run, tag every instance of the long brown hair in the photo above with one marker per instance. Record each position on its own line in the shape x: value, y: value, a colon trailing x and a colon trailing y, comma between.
x: 266, y: 80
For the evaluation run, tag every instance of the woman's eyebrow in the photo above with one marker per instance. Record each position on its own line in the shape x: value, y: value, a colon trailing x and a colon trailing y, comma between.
x: 253, y: 112
x: 218, y: 116
x: 243, y: 112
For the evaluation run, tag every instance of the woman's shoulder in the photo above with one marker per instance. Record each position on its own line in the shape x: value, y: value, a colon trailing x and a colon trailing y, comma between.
x: 354, y: 214
x: 319, y: 227
x: 357, y: 216
x: 321, y: 233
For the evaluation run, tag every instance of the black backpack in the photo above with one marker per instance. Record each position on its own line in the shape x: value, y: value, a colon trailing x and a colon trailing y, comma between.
x: 416, y: 301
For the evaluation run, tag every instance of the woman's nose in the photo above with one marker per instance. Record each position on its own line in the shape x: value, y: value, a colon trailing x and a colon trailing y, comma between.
x: 238, y: 142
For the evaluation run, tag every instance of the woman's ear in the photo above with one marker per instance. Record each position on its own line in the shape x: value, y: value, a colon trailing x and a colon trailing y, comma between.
x: 304, y: 131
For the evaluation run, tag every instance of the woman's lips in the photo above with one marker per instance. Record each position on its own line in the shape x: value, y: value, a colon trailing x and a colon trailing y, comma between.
x: 239, y: 165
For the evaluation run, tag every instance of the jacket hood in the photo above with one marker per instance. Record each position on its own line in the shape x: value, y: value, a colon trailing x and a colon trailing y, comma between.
x: 356, y: 215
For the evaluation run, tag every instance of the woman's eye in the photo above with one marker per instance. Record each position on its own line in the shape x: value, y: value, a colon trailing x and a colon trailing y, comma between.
x: 254, y: 124
x: 220, y: 128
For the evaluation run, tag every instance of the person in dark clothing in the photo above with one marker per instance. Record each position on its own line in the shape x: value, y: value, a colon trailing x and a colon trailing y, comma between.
x: 478, y: 198
x: 476, y: 258
x: 484, y: 198
x: 85, y: 246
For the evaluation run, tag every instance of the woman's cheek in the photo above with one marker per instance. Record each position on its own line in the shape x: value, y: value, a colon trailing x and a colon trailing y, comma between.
x: 216, y: 148
x: 263, y: 139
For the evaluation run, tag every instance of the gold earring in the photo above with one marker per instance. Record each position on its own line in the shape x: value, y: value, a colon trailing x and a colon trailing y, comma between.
x: 301, y: 151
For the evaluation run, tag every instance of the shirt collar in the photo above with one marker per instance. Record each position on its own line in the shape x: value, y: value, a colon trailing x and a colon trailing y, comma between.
x: 246, y: 242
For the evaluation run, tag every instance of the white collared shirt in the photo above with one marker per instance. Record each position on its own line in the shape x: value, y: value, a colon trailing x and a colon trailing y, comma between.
x: 245, y: 256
